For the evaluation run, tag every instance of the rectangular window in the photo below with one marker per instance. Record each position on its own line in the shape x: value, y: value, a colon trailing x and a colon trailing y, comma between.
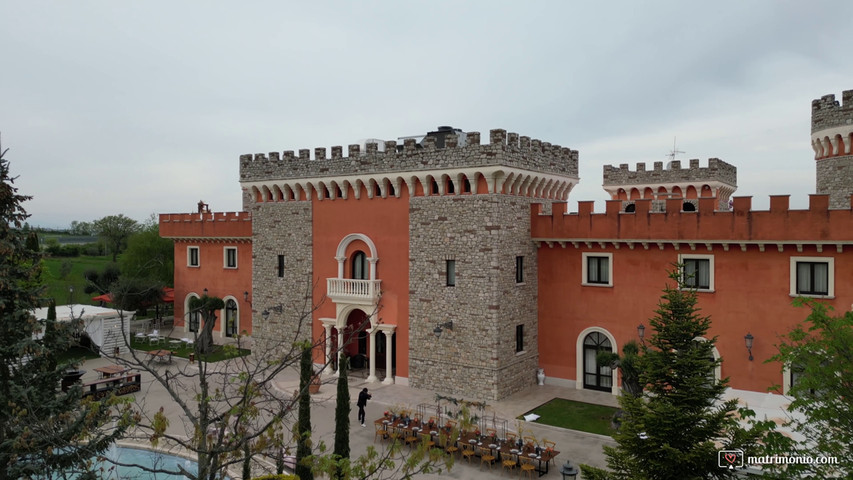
x: 194, y: 321
x: 230, y: 257
x: 281, y: 266
x: 697, y: 271
x: 519, y: 269
x: 519, y: 338
x: 812, y: 278
x: 450, y: 272
x: 192, y: 257
x: 597, y: 269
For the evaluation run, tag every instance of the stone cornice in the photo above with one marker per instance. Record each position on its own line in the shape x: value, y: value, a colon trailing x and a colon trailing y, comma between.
x: 692, y: 245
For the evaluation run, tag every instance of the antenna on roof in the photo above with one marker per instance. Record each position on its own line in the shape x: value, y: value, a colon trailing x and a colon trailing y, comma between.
x: 674, y: 151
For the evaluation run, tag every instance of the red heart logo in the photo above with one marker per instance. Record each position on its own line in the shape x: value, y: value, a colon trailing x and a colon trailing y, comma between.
x: 731, y: 457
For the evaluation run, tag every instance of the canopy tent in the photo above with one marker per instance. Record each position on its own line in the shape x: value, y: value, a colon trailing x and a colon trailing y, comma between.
x: 168, y: 296
x: 104, y: 326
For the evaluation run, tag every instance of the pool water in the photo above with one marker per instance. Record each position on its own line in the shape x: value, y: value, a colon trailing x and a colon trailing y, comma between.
x: 148, y: 458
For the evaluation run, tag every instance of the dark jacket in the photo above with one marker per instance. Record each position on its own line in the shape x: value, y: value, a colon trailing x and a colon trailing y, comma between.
x: 363, y: 397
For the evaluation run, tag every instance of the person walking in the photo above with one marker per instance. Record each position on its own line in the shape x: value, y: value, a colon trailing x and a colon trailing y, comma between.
x: 363, y: 397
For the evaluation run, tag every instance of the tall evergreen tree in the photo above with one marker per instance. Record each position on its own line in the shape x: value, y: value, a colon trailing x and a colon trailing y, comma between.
x: 42, y: 429
x: 342, y: 413
x: 303, y: 424
x: 675, y: 428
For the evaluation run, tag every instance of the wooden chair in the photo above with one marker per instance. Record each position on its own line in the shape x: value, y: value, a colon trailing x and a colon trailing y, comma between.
x: 511, y: 438
x: 426, y: 439
x: 491, y: 432
x: 447, y: 444
x: 467, y: 451
x: 379, y: 430
x: 527, y: 466
x: 410, y: 438
x: 549, y: 444
x: 486, y: 457
x: 529, y: 441
x: 509, y: 462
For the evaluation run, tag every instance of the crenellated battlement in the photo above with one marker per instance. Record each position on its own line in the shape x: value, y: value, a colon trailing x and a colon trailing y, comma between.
x: 206, y: 225
x: 504, y: 148
x: 828, y: 113
x: 780, y: 227
x: 716, y: 170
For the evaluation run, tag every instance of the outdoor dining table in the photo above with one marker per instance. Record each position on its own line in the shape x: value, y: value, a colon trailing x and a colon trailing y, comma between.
x: 504, y: 448
x: 110, y: 370
x: 162, y: 355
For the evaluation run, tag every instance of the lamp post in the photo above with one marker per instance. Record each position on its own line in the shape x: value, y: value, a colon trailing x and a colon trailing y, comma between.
x: 70, y: 294
x: 569, y: 471
x: 748, y: 339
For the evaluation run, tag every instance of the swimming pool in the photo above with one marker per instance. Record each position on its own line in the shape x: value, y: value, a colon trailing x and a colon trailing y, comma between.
x: 148, y: 458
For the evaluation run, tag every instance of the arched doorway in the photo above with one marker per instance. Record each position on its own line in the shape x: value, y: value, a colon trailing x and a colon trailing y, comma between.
x: 359, y: 269
x: 595, y: 376
x: 231, y: 322
x: 356, y: 338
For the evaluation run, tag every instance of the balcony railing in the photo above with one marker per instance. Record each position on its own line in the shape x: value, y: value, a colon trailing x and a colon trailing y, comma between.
x: 353, y: 291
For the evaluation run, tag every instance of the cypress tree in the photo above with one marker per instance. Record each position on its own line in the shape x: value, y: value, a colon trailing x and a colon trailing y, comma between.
x: 342, y: 413
x: 303, y: 424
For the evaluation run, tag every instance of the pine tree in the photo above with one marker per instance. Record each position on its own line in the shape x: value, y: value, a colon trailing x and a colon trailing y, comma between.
x: 303, y: 425
x: 675, y: 428
x: 42, y: 429
x: 342, y: 413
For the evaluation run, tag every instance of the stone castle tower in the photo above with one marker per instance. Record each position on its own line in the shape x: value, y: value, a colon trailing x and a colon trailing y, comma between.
x: 718, y: 179
x: 447, y: 220
x: 832, y: 141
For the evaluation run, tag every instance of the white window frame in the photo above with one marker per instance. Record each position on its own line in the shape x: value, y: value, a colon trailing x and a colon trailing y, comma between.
x: 225, y: 257
x: 584, y: 268
x: 830, y: 281
x: 691, y: 256
x: 190, y: 257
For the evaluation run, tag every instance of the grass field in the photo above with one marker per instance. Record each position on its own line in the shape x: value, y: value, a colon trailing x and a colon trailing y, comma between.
x: 585, y: 417
x: 219, y: 352
x: 57, y: 288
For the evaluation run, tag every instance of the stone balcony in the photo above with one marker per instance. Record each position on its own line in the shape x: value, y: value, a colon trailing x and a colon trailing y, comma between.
x: 347, y: 290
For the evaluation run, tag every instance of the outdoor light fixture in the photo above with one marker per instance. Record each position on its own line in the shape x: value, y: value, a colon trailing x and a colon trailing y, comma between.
x: 246, y: 296
x: 748, y: 338
x: 205, y: 292
x: 441, y: 326
x: 265, y: 314
x: 569, y: 471
x: 641, y: 331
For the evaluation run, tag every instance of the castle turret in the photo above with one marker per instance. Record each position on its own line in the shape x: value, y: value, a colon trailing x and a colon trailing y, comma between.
x: 832, y: 141
x: 718, y: 180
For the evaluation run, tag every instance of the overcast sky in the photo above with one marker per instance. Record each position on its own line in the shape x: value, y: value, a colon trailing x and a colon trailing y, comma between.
x: 145, y: 107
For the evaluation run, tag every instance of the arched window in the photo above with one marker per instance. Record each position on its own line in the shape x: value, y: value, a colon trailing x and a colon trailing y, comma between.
x: 231, y: 323
x: 450, y: 187
x: 359, y: 266
x: 194, y: 320
x: 688, y: 207
x: 630, y: 208
x: 596, y: 377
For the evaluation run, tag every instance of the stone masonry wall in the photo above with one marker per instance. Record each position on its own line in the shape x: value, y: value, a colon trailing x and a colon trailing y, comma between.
x: 503, y: 149
x: 716, y: 170
x: 282, y: 228
x: 483, y: 234
x: 827, y: 113
x: 835, y: 177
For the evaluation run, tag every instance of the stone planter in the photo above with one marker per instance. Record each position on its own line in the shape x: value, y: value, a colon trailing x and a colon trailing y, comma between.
x: 314, y: 386
x: 540, y: 376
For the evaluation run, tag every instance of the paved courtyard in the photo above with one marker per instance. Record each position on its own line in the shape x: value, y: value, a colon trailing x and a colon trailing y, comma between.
x: 578, y: 446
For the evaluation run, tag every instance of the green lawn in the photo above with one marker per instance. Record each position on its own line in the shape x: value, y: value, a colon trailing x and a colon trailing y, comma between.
x: 220, y: 352
x: 57, y: 288
x: 76, y: 354
x: 585, y: 417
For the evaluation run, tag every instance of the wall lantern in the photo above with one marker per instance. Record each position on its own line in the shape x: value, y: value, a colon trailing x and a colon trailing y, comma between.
x: 748, y: 338
x: 205, y: 292
x: 569, y: 471
x: 441, y: 326
x: 246, y: 297
x: 641, y: 331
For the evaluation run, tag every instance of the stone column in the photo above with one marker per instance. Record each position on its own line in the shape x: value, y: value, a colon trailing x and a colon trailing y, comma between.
x: 327, y: 368
x: 388, y: 365
x: 372, y: 377
x: 341, y: 261
x: 372, y: 262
